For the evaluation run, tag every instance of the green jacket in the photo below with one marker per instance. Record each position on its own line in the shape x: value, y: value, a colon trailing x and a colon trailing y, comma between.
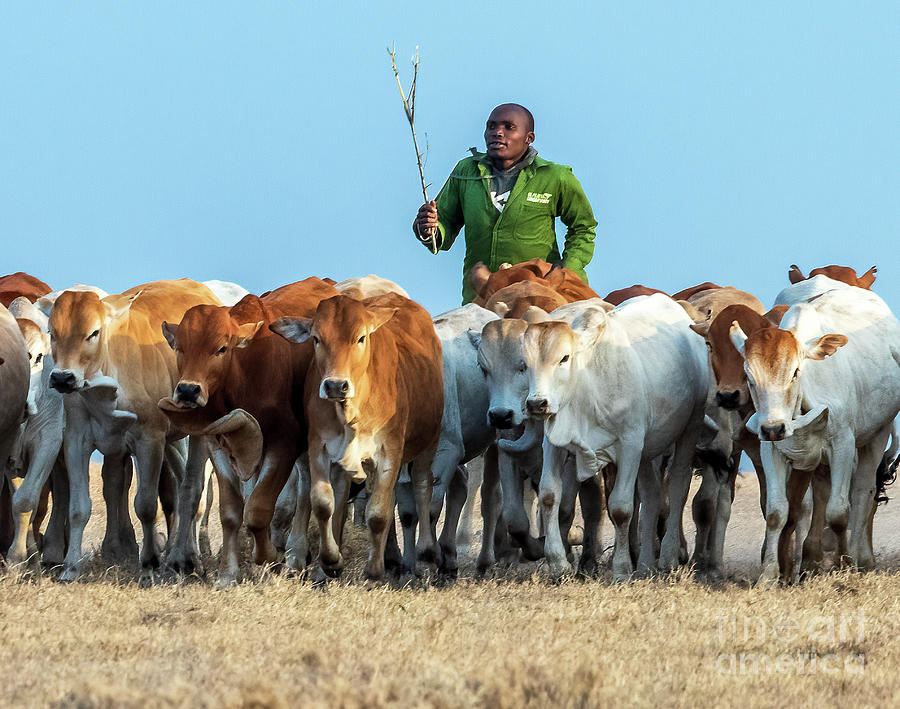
x: 525, y: 229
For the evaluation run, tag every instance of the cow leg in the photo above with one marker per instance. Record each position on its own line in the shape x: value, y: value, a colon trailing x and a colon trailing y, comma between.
x: 285, y: 509
x: 777, y: 469
x: 797, y: 486
x: 113, y: 473
x: 28, y: 495
x: 19, y: 551
x: 490, y: 509
x: 380, y: 514
x: 862, y: 498
x: 813, y: 553
x: 650, y: 490
x: 568, y: 496
x: 40, y: 514
x: 474, y: 478
x: 259, y: 509
x: 843, y: 463
x: 513, y: 496
x: 55, y: 536
x: 184, y: 553
x: 590, y: 494
x: 456, y: 499
x: 77, y: 453
x: 679, y: 475
x: 204, y: 509
x: 704, y: 508
x: 169, y: 481
x: 149, y: 454
x: 231, y: 512
x: 716, y: 549
x: 622, y: 507
x: 423, y: 481
x: 296, y: 552
x: 550, y: 495
x: 406, y: 509
x: 322, y: 502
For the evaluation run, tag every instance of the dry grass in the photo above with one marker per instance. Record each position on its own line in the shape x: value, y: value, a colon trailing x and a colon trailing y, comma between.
x: 512, y: 641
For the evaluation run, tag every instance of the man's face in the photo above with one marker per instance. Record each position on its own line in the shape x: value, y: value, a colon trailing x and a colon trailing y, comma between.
x: 507, y: 134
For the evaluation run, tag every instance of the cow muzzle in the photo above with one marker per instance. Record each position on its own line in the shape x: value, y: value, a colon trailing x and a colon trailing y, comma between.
x: 334, y: 389
x: 538, y: 406
x: 64, y: 381
x: 728, y: 400
x: 500, y: 418
x: 189, y: 395
x: 772, y: 431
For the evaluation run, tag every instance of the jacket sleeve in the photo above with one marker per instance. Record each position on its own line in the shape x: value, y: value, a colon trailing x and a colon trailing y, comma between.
x: 576, y: 213
x: 450, y: 216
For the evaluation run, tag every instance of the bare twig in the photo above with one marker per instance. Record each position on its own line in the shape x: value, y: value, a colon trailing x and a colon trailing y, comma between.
x: 409, y: 108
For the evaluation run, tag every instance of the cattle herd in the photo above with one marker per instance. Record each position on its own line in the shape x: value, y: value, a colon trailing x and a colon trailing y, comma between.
x: 318, y: 393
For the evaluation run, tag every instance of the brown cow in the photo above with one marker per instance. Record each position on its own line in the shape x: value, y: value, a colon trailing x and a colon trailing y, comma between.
x: 113, y: 365
x: 374, y: 401
x: 485, y: 283
x: 688, y: 293
x: 21, y: 284
x: 617, y: 297
x: 513, y: 300
x: 844, y: 274
x: 14, y: 380
x: 242, y: 386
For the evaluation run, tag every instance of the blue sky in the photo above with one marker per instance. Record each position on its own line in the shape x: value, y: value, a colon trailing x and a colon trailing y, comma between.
x: 265, y: 142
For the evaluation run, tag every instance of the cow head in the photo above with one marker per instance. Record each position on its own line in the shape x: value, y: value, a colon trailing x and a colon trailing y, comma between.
x: 844, y: 274
x: 502, y: 362
x: 553, y: 352
x: 37, y: 344
x: 727, y: 363
x: 340, y: 332
x: 773, y: 361
x: 204, y: 342
x: 79, y: 325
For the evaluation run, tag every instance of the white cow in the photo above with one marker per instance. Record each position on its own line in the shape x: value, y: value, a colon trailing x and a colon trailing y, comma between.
x: 621, y: 388
x: 826, y: 389
x: 228, y: 293
x: 465, y: 431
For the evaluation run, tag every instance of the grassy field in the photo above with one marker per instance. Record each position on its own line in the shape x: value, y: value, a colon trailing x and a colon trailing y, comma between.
x: 513, y: 640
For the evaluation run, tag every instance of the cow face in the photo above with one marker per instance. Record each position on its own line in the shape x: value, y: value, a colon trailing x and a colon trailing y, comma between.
x: 340, y: 331
x: 727, y: 363
x: 79, y: 322
x: 37, y: 343
x: 773, y: 361
x: 502, y: 362
x: 204, y: 343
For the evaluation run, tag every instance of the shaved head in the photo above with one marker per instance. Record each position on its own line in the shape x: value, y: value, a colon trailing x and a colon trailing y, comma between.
x: 528, y: 118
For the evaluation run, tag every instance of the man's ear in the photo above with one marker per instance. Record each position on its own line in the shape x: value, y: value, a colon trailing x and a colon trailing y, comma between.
x: 246, y: 333
x: 738, y: 338
x: 825, y: 346
x: 292, y: 329
x: 169, y: 330
x: 379, y: 315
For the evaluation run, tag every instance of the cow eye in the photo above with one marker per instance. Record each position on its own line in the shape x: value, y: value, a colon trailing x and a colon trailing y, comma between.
x: 796, y: 373
x: 222, y: 350
x: 522, y: 367
x: 315, y: 340
x: 361, y: 339
x: 37, y: 360
x: 564, y: 359
x: 93, y: 335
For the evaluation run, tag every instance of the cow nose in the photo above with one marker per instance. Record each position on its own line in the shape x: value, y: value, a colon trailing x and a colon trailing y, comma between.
x: 500, y: 418
x: 728, y: 399
x: 772, y: 431
x: 187, y: 392
x: 538, y: 405
x: 62, y: 381
x: 336, y: 388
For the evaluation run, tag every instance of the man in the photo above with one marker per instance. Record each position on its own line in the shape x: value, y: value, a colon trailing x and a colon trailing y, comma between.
x: 508, y: 200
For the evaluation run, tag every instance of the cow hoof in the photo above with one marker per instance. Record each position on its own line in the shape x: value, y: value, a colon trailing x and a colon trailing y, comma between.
x: 332, y: 572
x: 225, y: 581
x: 69, y: 574
x: 484, y: 564
x: 181, y: 563
x: 558, y: 568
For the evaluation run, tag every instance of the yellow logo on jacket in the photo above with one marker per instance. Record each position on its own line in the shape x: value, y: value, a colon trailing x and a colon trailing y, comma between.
x: 539, y: 197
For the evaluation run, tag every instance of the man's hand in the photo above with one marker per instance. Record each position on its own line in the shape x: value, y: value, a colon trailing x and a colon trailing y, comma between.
x: 427, y: 220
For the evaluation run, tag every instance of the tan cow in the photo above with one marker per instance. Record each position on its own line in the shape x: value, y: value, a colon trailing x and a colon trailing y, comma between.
x: 374, y: 400
x: 113, y: 365
x: 241, y: 386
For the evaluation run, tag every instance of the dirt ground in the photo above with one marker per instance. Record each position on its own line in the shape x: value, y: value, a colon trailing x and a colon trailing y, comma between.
x: 513, y: 640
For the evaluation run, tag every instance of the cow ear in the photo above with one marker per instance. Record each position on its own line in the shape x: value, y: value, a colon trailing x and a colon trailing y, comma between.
x: 501, y: 309
x: 868, y: 278
x: 292, y: 329
x: 775, y: 315
x: 692, y: 312
x: 534, y: 314
x: 825, y: 346
x: 701, y: 328
x: 169, y: 330
x: 589, y: 325
x: 795, y: 275
x: 738, y: 338
x: 379, y: 315
x: 478, y: 277
x: 474, y: 337
x: 246, y: 333
x: 45, y: 304
x: 116, y: 311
